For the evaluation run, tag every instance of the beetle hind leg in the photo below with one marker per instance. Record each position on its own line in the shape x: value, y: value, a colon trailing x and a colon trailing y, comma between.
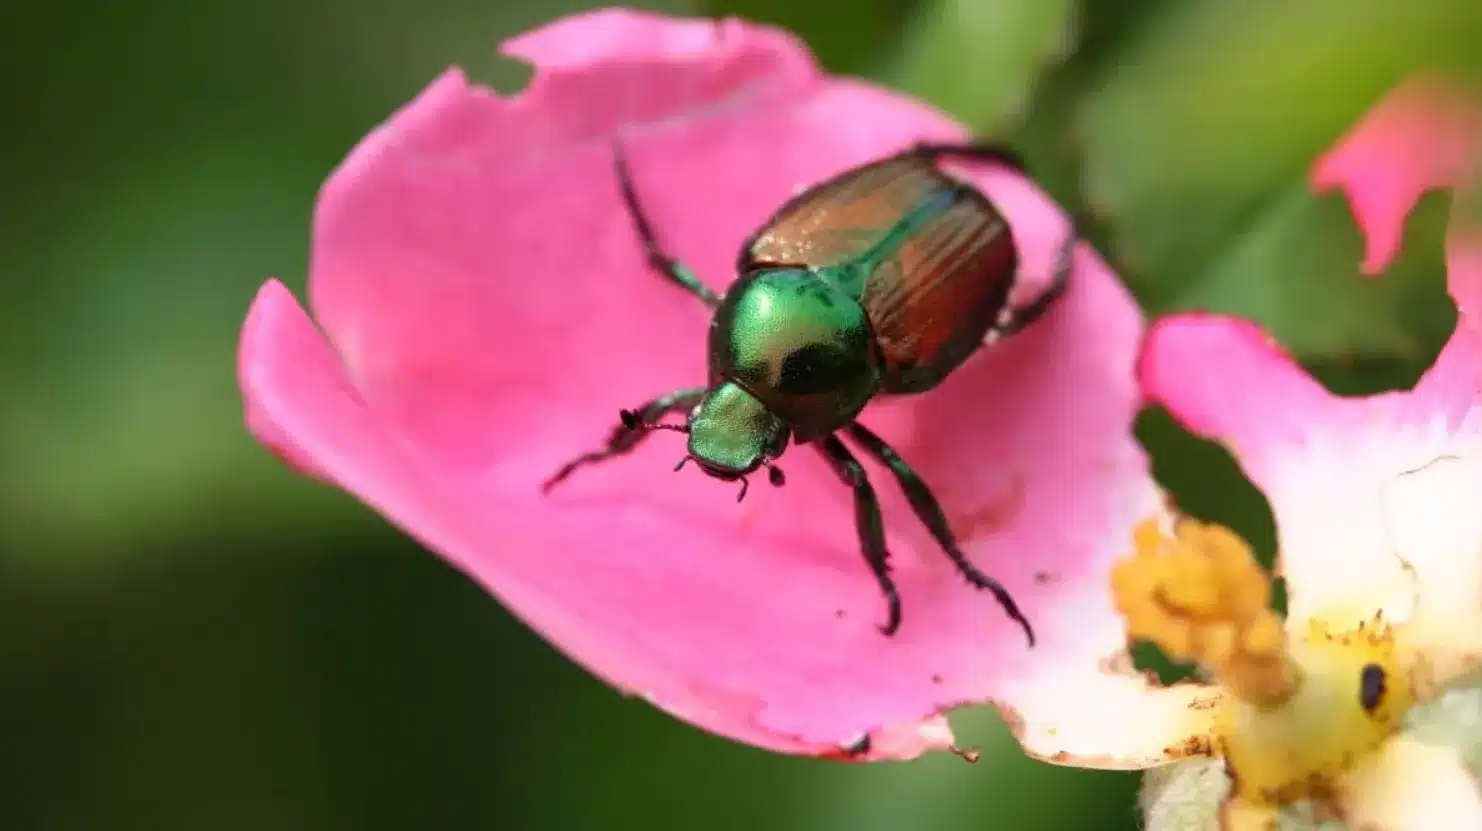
x: 974, y: 151
x: 929, y: 511
x: 1013, y: 320
x: 624, y: 438
x: 869, y: 524
x: 658, y: 258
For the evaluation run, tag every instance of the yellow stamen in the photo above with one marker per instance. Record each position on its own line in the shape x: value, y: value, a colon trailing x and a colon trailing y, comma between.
x: 1301, y: 710
x: 1202, y: 597
x: 1352, y: 697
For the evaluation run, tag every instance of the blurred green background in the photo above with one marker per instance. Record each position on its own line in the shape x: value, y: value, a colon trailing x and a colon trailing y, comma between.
x: 191, y: 637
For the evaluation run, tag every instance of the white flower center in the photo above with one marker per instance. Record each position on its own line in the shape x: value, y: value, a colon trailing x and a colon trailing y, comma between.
x: 1433, y: 517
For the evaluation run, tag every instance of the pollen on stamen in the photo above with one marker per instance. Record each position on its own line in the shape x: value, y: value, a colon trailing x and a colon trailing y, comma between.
x: 1201, y: 597
x: 1305, y: 705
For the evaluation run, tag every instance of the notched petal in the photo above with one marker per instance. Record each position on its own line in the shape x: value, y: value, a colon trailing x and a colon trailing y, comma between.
x: 479, y: 279
x: 1225, y: 379
x: 598, y: 71
x: 1425, y: 134
x: 1323, y: 462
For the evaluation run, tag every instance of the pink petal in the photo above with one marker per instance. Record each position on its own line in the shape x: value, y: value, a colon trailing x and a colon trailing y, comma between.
x: 490, y: 310
x: 1368, y: 516
x: 1425, y: 134
x: 1324, y: 463
x: 1109, y: 717
x: 298, y: 399
x: 1464, y: 271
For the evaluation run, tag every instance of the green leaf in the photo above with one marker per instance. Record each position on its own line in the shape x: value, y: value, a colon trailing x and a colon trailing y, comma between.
x: 1199, y: 135
x: 1293, y: 270
x: 979, y: 59
x: 1047, y: 138
x: 125, y: 429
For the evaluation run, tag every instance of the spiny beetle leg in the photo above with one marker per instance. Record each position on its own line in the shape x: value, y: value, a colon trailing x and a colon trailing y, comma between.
x: 660, y: 260
x: 978, y: 151
x: 868, y: 522
x: 929, y: 511
x: 624, y: 437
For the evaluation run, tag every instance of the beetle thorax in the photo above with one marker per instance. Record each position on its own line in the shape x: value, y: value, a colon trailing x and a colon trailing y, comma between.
x: 800, y: 344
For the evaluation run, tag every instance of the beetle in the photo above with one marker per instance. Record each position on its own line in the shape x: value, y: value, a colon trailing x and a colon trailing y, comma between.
x: 879, y: 281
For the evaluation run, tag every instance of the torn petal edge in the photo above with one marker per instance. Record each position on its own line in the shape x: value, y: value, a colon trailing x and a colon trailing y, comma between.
x: 1149, y: 725
x: 1428, y: 130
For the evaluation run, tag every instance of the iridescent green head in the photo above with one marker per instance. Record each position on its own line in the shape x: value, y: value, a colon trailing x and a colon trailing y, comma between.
x: 733, y: 434
x: 791, y: 357
x: 799, y: 344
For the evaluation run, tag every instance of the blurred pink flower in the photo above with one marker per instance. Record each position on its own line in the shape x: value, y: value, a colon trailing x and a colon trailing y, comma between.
x: 483, y: 310
x: 1424, y: 135
x: 1375, y: 502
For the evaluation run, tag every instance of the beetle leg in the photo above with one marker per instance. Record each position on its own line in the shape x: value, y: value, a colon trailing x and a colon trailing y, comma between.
x: 658, y: 259
x: 622, y: 439
x: 981, y: 151
x: 929, y: 511
x: 1012, y: 321
x: 868, y: 523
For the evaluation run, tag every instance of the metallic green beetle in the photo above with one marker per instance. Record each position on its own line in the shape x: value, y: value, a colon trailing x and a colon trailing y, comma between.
x: 879, y: 281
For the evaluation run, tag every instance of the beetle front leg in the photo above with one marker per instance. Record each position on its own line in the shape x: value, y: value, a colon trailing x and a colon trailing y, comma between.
x: 625, y: 437
x: 658, y: 259
x: 868, y: 522
x: 929, y: 511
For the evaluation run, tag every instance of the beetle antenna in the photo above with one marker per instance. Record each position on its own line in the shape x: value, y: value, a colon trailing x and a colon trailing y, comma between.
x: 681, y: 463
x: 774, y: 475
x: 744, y: 485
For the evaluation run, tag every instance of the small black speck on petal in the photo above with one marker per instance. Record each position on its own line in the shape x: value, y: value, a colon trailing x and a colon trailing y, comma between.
x: 1371, y: 687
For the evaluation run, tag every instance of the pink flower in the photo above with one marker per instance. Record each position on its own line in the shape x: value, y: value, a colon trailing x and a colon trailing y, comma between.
x: 1375, y: 501
x: 1423, y: 136
x: 482, y: 309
